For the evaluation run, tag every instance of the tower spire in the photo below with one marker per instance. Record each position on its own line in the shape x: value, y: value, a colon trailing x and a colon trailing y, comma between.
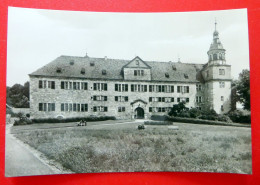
x: 215, y: 24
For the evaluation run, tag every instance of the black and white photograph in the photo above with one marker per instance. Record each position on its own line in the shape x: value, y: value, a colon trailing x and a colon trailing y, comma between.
x: 98, y: 92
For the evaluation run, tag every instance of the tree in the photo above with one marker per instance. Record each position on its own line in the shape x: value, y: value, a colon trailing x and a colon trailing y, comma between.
x: 243, y: 89
x: 178, y: 108
x: 18, y: 95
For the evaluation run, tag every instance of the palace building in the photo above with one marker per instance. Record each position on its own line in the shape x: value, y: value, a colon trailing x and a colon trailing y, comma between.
x: 73, y: 86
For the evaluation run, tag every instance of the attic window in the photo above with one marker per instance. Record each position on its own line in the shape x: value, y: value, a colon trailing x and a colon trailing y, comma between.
x: 82, y: 71
x: 72, y: 62
x: 174, y: 68
x: 186, y: 76
x: 104, y: 72
x: 137, y: 62
x: 58, y: 70
x: 167, y: 75
x: 92, y: 63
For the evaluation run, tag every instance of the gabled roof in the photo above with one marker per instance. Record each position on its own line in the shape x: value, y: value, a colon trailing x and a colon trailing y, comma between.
x: 141, y: 63
x: 93, y: 69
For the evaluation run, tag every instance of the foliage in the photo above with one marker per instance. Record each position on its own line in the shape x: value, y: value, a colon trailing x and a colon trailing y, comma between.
x: 239, y: 117
x: 22, y: 120
x: 243, y: 89
x: 75, y: 119
x: 18, y: 95
x: 178, y: 108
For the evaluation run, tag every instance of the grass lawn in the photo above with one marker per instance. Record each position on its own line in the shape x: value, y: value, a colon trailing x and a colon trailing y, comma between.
x: 123, y: 148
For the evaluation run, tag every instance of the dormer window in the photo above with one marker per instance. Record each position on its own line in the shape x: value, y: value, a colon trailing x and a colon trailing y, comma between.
x: 167, y: 75
x: 186, y: 76
x: 82, y: 71
x: 174, y: 68
x: 58, y: 70
x: 104, y: 72
x: 72, y: 62
x: 92, y: 64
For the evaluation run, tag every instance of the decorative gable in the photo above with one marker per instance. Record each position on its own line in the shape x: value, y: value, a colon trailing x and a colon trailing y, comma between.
x: 137, y: 69
x: 137, y: 62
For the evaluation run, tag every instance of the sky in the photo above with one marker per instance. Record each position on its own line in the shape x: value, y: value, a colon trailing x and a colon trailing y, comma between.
x: 37, y: 37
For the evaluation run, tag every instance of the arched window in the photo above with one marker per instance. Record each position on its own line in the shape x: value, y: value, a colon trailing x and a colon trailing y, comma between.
x: 215, y: 56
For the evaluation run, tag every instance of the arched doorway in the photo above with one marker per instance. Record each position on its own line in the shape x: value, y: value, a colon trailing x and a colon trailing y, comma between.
x: 139, y: 112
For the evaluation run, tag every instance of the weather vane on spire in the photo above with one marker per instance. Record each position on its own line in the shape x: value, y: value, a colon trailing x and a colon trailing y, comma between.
x: 215, y: 24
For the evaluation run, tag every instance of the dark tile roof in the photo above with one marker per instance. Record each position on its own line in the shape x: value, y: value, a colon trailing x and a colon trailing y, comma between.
x: 71, y: 66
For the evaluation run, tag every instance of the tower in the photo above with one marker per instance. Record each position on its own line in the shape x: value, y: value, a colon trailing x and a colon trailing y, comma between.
x: 217, y: 76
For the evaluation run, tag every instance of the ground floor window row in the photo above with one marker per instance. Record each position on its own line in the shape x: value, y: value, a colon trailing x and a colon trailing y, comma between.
x: 74, y: 107
x: 47, y: 107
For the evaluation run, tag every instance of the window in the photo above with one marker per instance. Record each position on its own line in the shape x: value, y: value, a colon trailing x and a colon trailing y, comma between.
x: 183, y: 89
x: 222, y: 107
x: 198, y: 87
x: 121, y: 109
x: 58, y: 70
x: 137, y: 62
x: 104, y: 72
x: 222, y: 98
x: 150, y: 109
x: 100, y: 109
x: 121, y: 98
x: 138, y: 72
x: 40, y: 84
x: 82, y: 71
x: 178, y: 99
x: 43, y: 107
x: 121, y: 87
x: 40, y: 106
x: 92, y: 64
x: 43, y: 84
x: 221, y: 71
x: 138, y: 88
x: 100, y: 86
x: 198, y: 99
x: 99, y: 98
x: 187, y: 100
x: 167, y: 75
x: 75, y: 107
x: 186, y: 76
x: 221, y: 84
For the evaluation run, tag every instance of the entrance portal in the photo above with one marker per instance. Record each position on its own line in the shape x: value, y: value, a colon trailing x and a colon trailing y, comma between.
x: 139, y: 112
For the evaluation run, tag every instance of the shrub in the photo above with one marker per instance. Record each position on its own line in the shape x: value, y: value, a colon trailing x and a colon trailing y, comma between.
x: 178, y: 108
x: 194, y: 112
x: 22, y: 121
x: 239, y: 117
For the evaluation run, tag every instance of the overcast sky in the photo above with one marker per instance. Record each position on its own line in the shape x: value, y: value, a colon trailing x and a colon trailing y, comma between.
x: 36, y: 37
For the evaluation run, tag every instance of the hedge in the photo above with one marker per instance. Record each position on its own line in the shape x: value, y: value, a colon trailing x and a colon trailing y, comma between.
x: 75, y: 119
x: 158, y: 123
x: 196, y: 121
